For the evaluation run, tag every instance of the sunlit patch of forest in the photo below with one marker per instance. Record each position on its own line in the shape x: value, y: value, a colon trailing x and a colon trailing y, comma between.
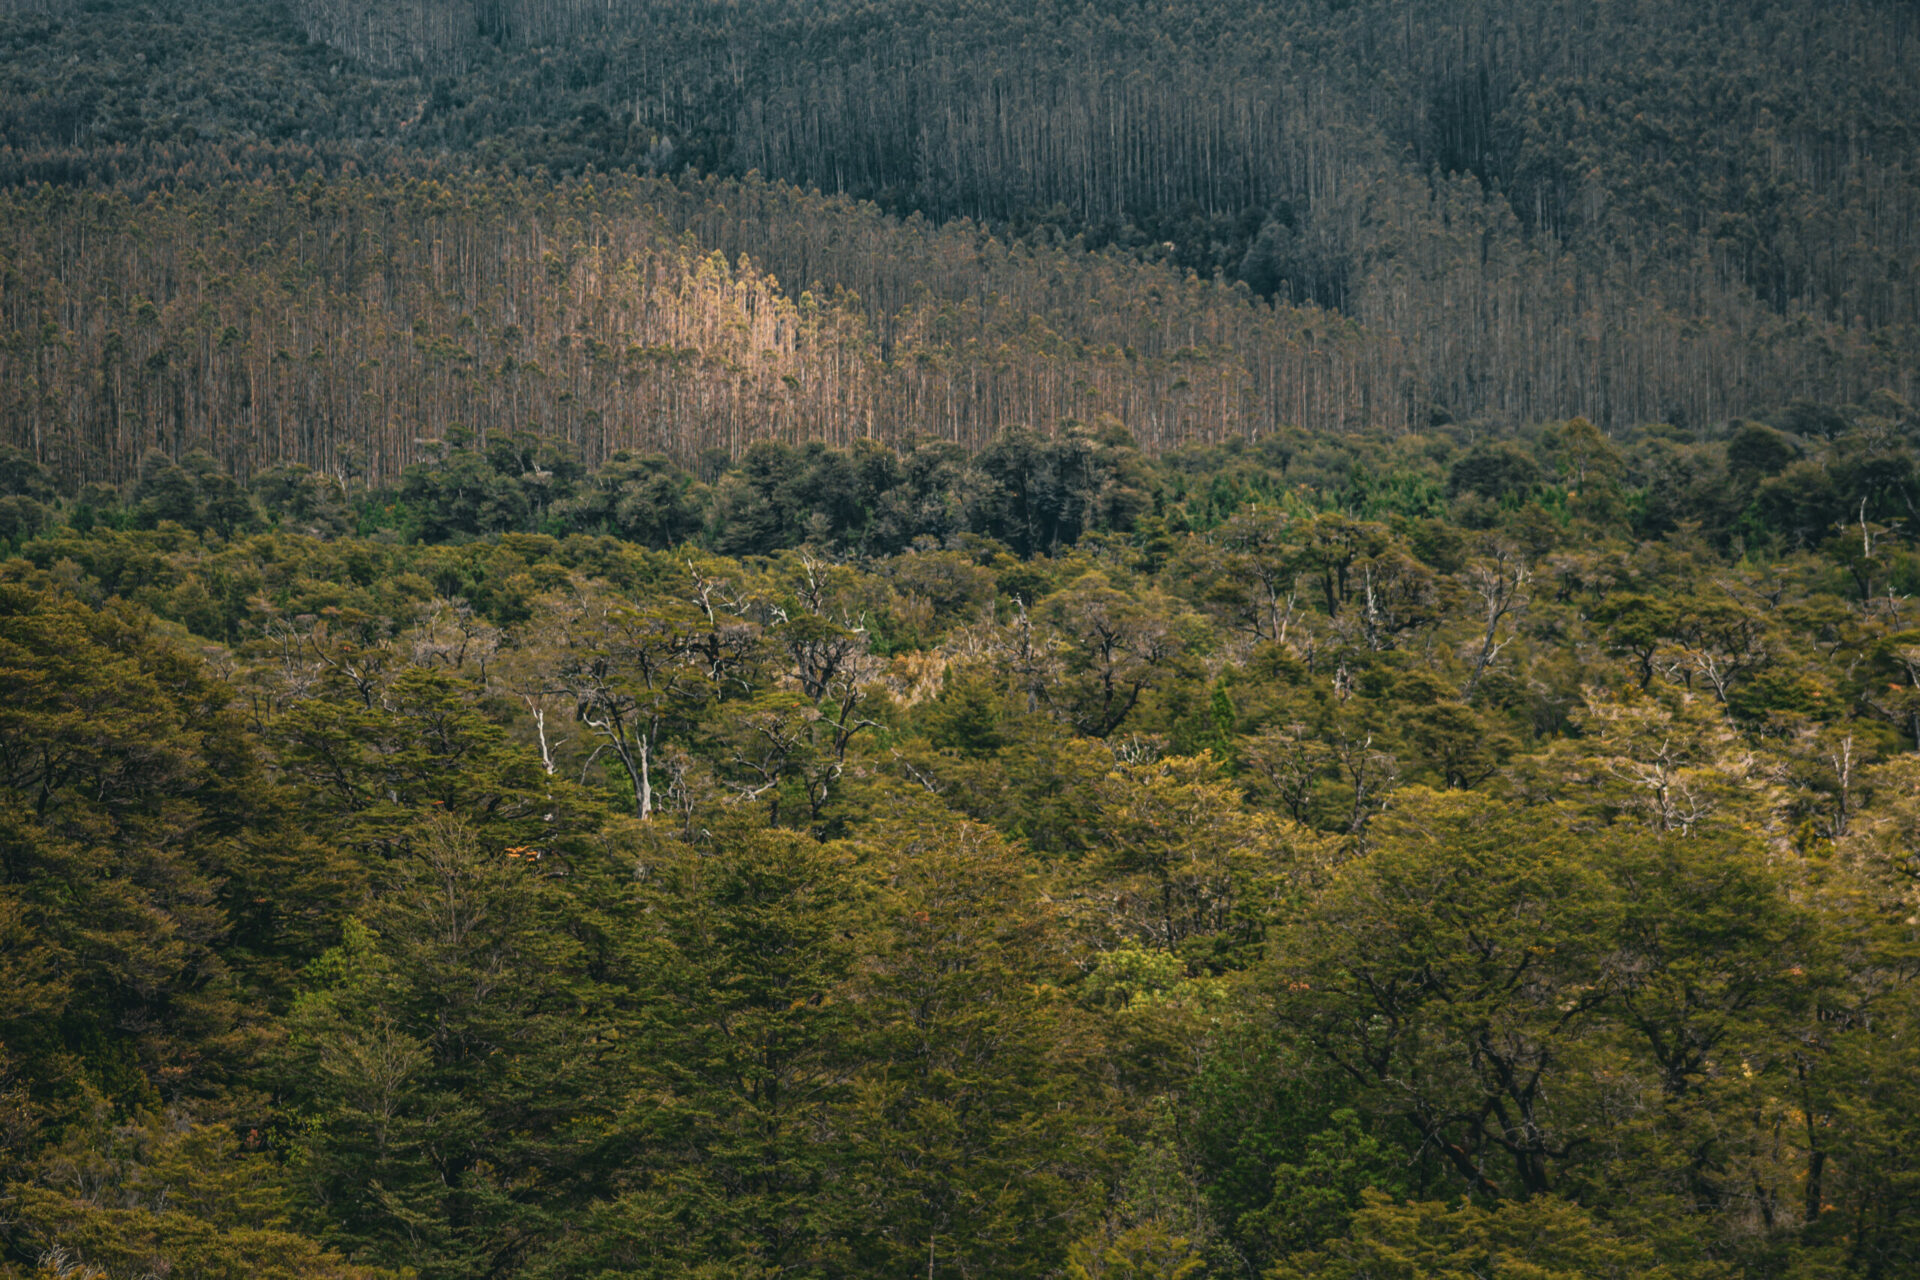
x: 1524, y: 212
x: 1096, y: 641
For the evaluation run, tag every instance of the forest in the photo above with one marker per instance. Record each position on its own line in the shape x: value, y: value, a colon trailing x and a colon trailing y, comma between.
x: 1269, y: 640
x: 1400, y: 212
x: 1404, y: 856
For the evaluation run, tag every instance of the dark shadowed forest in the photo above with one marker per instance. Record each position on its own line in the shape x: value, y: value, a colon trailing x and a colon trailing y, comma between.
x: 1201, y: 641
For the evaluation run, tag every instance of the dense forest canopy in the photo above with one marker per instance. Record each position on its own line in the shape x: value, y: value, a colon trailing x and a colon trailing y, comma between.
x: 1045, y: 859
x: 1081, y: 641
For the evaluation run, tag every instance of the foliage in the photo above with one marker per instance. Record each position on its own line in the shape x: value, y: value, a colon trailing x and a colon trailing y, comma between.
x: 1186, y: 896
x: 1093, y: 640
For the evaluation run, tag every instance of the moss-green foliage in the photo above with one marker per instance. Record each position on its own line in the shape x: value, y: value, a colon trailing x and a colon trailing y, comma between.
x: 1064, y: 885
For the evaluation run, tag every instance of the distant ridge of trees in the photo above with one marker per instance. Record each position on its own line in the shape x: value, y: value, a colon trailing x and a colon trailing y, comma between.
x: 340, y: 324
x: 1771, y: 137
x: 349, y: 325
x: 1507, y: 213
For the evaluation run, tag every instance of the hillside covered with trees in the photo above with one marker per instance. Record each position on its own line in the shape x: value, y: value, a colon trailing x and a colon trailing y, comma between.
x: 1491, y: 211
x: 1093, y: 642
